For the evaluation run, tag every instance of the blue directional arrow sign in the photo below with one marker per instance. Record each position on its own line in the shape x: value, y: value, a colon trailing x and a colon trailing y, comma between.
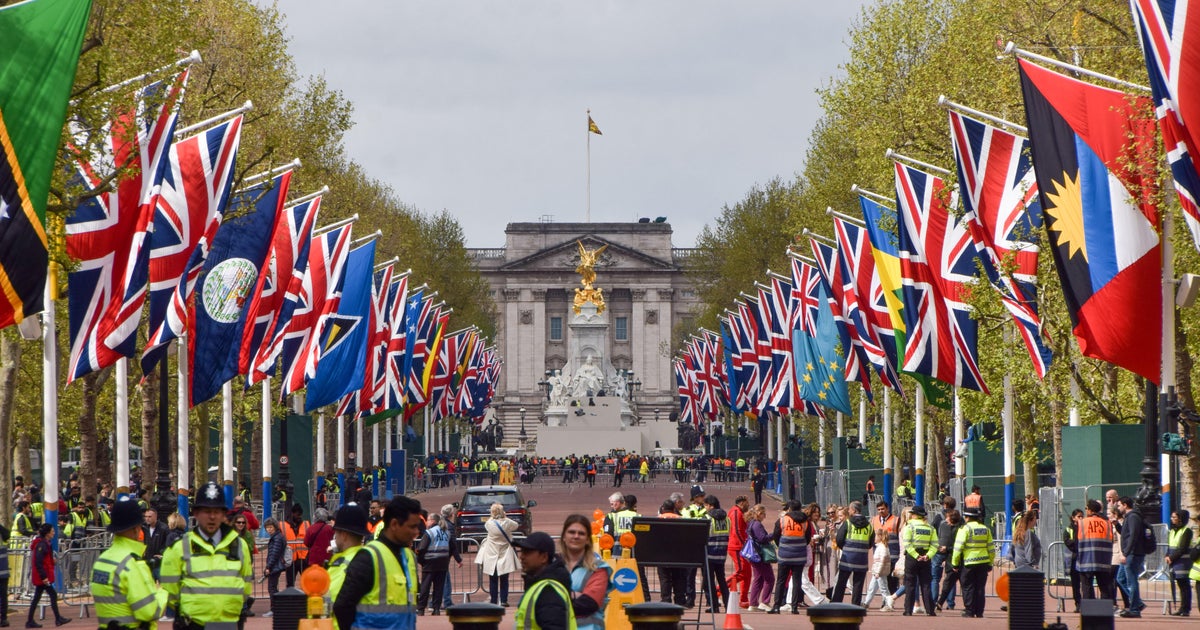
x: 625, y: 580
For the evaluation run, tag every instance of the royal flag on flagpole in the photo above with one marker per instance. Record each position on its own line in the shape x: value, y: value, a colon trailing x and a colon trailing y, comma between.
x: 40, y: 42
x: 1168, y: 31
x: 592, y: 128
x: 1004, y: 216
x: 1093, y: 151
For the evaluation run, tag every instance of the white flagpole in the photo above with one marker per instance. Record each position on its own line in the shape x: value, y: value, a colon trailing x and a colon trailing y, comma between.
x: 182, y: 432
x: 50, y: 459
x: 387, y: 450
x: 1167, y: 375
x: 267, y: 493
x: 821, y: 443
x: 960, y: 463
x: 374, y: 458
x: 919, y: 447
x: 361, y: 461
x: 887, y: 445
x: 841, y: 425
x: 227, y: 440
x: 122, y: 426
x: 862, y: 418
x: 341, y: 457
x: 321, y: 445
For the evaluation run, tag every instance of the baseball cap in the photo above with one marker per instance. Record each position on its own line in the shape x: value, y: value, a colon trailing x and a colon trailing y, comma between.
x: 537, y: 541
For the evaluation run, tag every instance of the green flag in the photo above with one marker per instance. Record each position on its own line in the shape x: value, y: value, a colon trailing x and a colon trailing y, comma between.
x: 40, y: 42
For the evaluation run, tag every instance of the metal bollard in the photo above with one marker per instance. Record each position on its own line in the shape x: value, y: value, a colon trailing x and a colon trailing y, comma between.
x: 289, y: 606
x: 1026, y: 599
x: 836, y: 616
x: 476, y: 616
x: 654, y: 616
x: 1096, y: 614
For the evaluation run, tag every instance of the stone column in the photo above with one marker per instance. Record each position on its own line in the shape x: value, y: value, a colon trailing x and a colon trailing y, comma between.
x: 641, y: 334
x: 536, y: 359
x: 661, y: 378
x: 510, y: 311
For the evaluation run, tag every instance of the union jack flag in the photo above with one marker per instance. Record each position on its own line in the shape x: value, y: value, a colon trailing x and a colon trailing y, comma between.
x: 784, y: 394
x: 937, y: 261
x: 1004, y: 216
x: 852, y: 344
x: 760, y: 319
x: 191, y: 203
x: 107, y: 233
x: 805, y: 282
x: 751, y: 377
x: 464, y: 395
x: 276, y: 294
x: 1167, y: 35
x: 688, y: 411
x: 362, y: 401
x: 393, y: 391
x: 863, y: 295
x: 317, y: 299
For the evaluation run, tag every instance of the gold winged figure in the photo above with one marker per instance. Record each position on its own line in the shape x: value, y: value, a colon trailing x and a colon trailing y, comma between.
x: 587, y: 272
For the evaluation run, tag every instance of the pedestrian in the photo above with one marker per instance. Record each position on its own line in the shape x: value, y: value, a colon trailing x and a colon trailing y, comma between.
x: 1095, y: 552
x: 791, y: 534
x: 1026, y: 548
x: 366, y: 601
x: 318, y: 538
x: 975, y: 502
x: 716, y: 590
x: 590, y: 470
x: 855, y: 538
x: 590, y: 574
x: 5, y: 534
x: 1070, y: 555
x: 1133, y: 545
x: 546, y: 603
x: 887, y: 531
x: 740, y: 580
x: 497, y: 555
x: 919, y: 544
x: 869, y: 490
x: 762, y: 585
x: 758, y: 481
x: 1178, y: 559
x: 349, y: 531
x: 277, y: 559
x: 122, y: 585
x: 433, y: 554
x: 238, y: 521
x: 154, y: 535
x: 881, y: 567
x: 952, y: 521
x: 1118, y: 559
x: 42, y: 571
x: 451, y: 527
x: 671, y: 588
x: 294, y: 529
x: 207, y: 574
x: 973, y: 558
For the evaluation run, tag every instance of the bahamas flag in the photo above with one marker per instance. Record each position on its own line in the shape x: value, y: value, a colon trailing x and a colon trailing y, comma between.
x: 39, y: 50
x: 882, y: 223
x: 342, y: 366
x: 1092, y: 148
x: 819, y: 361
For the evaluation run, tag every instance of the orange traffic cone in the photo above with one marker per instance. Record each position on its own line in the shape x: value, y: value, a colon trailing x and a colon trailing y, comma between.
x: 733, y: 616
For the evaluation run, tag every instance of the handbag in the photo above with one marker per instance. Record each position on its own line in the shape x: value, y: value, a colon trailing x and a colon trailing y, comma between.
x: 750, y: 552
x: 770, y: 553
x: 516, y: 557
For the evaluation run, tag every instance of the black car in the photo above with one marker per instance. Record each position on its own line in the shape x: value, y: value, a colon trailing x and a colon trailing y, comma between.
x: 475, y: 509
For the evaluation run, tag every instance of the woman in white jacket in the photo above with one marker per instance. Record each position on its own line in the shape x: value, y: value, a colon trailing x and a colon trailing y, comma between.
x: 881, y: 567
x: 497, y: 555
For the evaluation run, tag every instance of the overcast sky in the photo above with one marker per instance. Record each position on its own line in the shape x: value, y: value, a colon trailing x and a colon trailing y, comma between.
x: 480, y: 107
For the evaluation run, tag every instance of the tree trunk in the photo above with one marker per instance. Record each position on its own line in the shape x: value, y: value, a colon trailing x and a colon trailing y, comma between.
x: 10, y: 357
x: 938, y: 450
x: 149, y: 395
x: 21, y: 463
x: 87, y: 431
x: 1058, y: 445
x: 1029, y: 468
x: 1189, y: 467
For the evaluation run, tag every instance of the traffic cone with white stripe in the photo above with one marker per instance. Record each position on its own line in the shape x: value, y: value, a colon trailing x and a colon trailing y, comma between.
x: 733, y: 616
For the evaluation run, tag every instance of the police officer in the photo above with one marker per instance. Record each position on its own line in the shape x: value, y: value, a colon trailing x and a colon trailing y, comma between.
x: 23, y: 521
x: 207, y: 573
x: 973, y: 557
x: 919, y: 543
x: 716, y: 589
x: 380, y: 587
x: 349, y: 531
x: 122, y: 585
x: 546, y: 604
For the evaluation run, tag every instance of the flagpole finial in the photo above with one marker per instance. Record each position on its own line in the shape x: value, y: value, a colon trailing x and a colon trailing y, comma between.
x: 942, y: 100
x: 854, y: 188
x: 887, y: 155
x: 1010, y: 47
x: 194, y: 57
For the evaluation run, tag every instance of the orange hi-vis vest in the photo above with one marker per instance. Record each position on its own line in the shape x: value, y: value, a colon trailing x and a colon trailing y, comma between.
x: 296, y: 539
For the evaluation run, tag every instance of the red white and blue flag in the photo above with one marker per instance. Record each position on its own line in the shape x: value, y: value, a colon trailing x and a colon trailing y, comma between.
x: 843, y: 314
x: 1168, y: 31
x: 863, y: 298
x: 108, y: 232
x: 191, y: 203
x: 937, y: 262
x: 1003, y: 213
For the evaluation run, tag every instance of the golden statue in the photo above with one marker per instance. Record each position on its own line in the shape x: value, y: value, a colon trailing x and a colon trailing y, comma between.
x: 587, y: 271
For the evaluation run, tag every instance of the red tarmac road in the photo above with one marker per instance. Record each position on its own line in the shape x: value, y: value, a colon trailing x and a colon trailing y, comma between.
x: 556, y: 501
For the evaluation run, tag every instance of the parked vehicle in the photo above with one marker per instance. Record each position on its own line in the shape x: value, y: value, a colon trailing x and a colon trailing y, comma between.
x: 474, y: 509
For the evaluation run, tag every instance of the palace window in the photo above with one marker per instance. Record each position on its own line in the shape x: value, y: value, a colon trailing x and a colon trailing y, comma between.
x: 622, y: 328
x: 556, y: 333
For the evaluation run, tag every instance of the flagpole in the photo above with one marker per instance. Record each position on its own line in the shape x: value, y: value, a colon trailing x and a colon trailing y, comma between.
x: 821, y: 443
x: 887, y: 445
x: 122, y: 426
x: 919, y: 450
x: 1010, y: 466
x: 267, y: 494
x: 358, y: 450
x: 588, y: 218
x: 374, y: 459
x: 182, y: 432
x: 50, y: 459
x: 341, y: 457
x: 841, y: 425
x: 960, y: 463
x: 780, y: 452
x: 1166, y: 396
x: 862, y: 418
x: 1011, y: 49
x: 227, y: 440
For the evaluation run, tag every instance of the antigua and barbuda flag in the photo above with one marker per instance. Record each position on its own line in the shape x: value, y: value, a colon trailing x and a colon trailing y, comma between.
x: 1093, y: 150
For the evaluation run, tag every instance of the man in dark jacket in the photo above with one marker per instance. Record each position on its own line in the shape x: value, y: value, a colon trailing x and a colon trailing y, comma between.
x: 402, y: 519
x: 547, y: 600
x: 154, y: 533
x: 1133, y: 535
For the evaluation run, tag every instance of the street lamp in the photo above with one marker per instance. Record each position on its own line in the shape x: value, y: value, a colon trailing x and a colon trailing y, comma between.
x: 523, y: 434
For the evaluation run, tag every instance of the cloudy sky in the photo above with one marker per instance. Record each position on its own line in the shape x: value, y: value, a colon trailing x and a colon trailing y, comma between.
x: 480, y: 107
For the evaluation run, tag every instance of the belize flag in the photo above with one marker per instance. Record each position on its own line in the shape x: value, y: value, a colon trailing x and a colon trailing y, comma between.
x: 1093, y: 151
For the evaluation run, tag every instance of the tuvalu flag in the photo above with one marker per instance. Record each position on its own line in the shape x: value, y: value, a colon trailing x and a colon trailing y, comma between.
x: 341, y: 367
x: 1093, y: 150
x: 40, y: 42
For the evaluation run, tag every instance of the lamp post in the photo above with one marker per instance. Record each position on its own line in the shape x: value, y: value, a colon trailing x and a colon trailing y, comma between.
x: 523, y: 436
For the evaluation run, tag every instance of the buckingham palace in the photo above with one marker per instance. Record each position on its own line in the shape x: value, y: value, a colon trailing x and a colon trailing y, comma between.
x: 549, y: 329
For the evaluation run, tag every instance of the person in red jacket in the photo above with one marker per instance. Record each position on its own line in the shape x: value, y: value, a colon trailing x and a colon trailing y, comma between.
x: 42, y: 572
x: 739, y: 581
x: 318, y: 538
